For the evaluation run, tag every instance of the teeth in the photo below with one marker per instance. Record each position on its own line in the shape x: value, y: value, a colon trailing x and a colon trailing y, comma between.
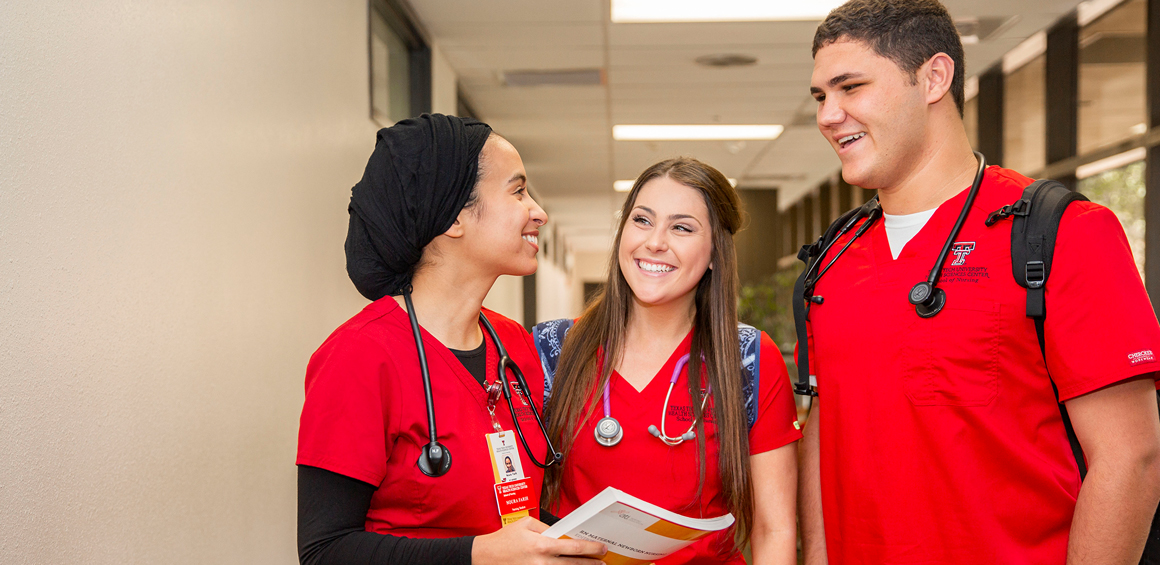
x: 850, y: 138
x: 532, y: 240
x: 654, y: 267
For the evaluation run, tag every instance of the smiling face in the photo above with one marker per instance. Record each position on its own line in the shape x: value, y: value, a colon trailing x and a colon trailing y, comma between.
x: 666, y: 244
x: 501, y: 230
x: 871, y: 111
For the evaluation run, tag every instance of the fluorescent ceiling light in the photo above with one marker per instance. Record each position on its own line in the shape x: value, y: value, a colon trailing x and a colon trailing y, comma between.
x: 1113, y: 162
x: 645, y: 11
x: 694, y: 132
x: 626, y: 185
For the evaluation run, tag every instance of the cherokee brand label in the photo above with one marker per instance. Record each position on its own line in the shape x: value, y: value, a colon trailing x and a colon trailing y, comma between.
x: 1138, y: 357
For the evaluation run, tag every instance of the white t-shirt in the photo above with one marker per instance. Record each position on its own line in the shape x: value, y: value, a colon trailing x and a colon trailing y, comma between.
x: 901, y: 229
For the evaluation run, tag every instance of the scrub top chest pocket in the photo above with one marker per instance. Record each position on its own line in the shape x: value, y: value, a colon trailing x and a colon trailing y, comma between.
x: 952, y: 359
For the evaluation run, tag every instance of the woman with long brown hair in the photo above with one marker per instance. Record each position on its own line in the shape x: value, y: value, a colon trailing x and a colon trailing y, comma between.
x: 650, y: 395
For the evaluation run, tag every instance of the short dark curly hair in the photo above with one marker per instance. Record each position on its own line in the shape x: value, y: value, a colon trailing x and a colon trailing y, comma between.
x: 908, y: 32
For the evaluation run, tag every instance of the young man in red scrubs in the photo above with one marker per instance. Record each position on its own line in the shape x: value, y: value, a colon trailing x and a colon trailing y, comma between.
x: 939, y: 440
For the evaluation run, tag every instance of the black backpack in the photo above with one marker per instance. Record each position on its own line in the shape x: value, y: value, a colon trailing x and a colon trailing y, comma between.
x: 1035, y: 223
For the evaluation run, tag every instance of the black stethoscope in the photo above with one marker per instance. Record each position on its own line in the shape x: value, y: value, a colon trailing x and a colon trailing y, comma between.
x: 926, y: 297
x: 434, y: 458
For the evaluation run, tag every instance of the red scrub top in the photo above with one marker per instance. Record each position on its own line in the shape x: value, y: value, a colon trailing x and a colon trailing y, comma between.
x: 365, y: 417
x: 645, y: 467
x: 941, y: 441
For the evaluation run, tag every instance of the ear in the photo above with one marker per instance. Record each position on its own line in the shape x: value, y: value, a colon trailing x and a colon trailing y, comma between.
x: 457, y: 230
x: 937, y: 74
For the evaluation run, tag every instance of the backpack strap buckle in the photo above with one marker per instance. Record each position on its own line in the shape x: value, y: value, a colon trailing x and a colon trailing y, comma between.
x: 1036, y: 274
x: 1021, y: 207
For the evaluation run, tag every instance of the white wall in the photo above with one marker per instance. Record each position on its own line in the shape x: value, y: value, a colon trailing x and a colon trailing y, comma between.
x: 173, y: 186
x: 444, y: 84
x: 554, y: 293
x: 587, y: 266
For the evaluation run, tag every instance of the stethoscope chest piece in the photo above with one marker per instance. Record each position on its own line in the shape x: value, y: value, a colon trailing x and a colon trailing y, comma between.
x: 608, y: 431
x: 927, y: 299
x: 434, y: 460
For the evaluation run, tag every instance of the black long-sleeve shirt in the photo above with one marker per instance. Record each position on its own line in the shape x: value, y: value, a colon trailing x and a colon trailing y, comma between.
x: 332, y: 512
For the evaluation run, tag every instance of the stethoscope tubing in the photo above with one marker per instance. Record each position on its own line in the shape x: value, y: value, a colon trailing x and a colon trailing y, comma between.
x: 936, y: 270
x: 872, y: 211
x: 505, y: 363
x: 660, y: 433
x: 434, y: 450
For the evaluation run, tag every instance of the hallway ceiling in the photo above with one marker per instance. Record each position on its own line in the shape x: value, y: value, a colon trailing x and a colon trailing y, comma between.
x: 564, y: 132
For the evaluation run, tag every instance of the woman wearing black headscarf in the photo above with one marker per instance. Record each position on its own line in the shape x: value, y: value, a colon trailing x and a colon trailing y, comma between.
x: 441, y: 212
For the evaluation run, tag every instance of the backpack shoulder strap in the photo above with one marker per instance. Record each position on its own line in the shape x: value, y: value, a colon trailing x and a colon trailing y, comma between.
x: 1035, y: 224
x: 548, y: 338
x: 750, y: 339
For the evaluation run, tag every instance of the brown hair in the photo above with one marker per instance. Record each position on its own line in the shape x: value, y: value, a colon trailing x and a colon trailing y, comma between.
x: 603, y: 323
x: 908, y: 32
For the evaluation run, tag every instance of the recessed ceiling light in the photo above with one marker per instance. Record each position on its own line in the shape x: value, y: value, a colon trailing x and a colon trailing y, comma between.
x: 626, y: 185
x: 644, y: 11
x: 694, y: 132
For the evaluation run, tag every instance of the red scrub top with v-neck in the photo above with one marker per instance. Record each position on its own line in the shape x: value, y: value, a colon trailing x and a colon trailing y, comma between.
x: 365, y: 417
x: 940, y: 438
x: 645, y: 467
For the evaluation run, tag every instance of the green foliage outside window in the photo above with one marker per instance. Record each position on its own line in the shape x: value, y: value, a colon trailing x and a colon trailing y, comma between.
x: 1122, y: 191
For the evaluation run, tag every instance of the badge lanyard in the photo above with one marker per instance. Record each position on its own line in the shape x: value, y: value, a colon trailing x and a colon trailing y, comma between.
x: 513, y: 489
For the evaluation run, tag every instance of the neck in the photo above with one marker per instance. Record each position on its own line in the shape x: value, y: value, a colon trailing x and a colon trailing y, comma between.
x: 660, y: 325
x: 447, y: 304
x: 946, y: 166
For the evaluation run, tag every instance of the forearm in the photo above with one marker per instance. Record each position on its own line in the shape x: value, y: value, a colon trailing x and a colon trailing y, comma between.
x: 1113, y: 513
x: 810, y: 495
x: 374, y: 549
x: 773, y: 536
x: 773, y: 547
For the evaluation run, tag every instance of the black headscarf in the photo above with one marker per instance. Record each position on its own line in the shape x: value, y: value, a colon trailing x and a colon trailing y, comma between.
x: 416, y: 182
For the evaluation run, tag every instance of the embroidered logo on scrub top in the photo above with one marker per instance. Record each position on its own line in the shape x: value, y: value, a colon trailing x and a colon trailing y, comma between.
x: 1138, y: 357
x: 957, y: 272
x: 961, y: 249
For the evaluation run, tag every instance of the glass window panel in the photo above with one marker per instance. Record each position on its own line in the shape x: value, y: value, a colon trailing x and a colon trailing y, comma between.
x: 390, y: 74
x: 1024, y: 118
x: 1122, y: 190
x: 971, y: 121
x: 1112, y: 76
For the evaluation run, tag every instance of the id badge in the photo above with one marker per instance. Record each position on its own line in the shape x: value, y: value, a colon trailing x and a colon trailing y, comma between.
x: 513, y: 490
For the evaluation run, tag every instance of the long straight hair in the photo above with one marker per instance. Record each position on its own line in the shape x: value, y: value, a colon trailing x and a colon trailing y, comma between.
x: 714, y: 349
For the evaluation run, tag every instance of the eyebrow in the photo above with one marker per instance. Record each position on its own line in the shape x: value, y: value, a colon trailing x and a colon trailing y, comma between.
x: 671, y: 216
x: 836, y: 81
x: 518, y: 177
